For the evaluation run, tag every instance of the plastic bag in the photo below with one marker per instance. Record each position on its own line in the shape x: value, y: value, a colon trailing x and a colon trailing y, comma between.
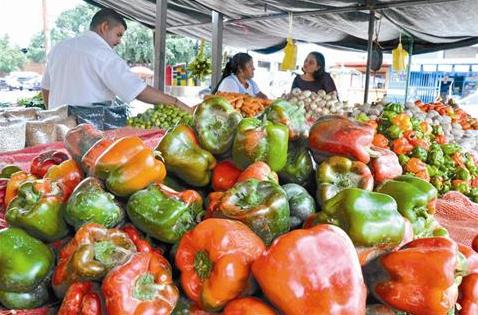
x: 399, y: 56
x: 104, y: 116
x: 290, y: 55
x: 12, y: 135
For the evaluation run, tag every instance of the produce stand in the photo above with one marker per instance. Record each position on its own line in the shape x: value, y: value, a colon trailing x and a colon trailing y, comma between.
x: 252, y: 170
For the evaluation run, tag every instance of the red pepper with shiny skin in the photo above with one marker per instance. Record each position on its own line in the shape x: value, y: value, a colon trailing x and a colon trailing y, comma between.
x: 215, y: 259
x: 81, y: 299
x: 143, y: 285
x: 338, y: 135
x: 224, y: 175
x: 312, y: 271
x: 41, y: 163
x: 385, y: 165
x: 417, y: 279
x: 468, y: 298
x: 68, y: 175
x: 248, y: 306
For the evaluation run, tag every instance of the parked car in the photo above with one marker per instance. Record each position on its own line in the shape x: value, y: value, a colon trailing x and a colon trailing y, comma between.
x: 33, y: 84
x: 3, y: 84
x: 17, y: 80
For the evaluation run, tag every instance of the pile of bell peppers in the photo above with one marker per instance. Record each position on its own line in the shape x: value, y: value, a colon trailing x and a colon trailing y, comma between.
x: 423, y: 151
x: 237, y: 216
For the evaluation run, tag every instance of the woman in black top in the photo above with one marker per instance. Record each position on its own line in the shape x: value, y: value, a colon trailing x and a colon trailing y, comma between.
x: 314, y: 78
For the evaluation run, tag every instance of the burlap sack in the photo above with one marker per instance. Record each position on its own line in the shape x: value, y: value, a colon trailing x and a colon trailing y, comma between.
x: 12, y: 135
x: 27, y: 114
x: 40, y: 132
x: 61, y: 112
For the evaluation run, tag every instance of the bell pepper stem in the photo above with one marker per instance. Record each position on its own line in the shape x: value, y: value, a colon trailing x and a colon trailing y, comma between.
x: 202, y: 265
x: 145, y: 288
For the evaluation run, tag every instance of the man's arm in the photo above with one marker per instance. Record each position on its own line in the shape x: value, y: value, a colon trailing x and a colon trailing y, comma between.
x: 154, y: 96
x: 46, y: 95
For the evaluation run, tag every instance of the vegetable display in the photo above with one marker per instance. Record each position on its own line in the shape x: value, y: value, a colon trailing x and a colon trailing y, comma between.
x: 244, y: 211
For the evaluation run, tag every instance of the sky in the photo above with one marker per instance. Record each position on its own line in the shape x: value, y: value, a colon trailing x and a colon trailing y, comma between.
x: 21, y: 19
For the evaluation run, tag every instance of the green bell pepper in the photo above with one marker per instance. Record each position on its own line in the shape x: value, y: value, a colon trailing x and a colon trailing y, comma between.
x: 388, y: 115
x: 369, y: 218
x: 164, y: 213
x: 338, y: 173
x: 463, y: 174
x: 8, y: 170
x: 436, y: 156
x: 403, y: 159
x: 215, y: 121
x: 301, y: 204
x: 185, y: 158
x: 450, y: 148
x: 298, y: 168
x: 258, y: 140
x: 90, y: 203
x: 393, y: 132
x: 420, y: 153
x: 293, y: 116
x: 416, y: 201
x: 38, y: 208
x: 394, y: 107
x: 261, y: 205
x: 25, y: 266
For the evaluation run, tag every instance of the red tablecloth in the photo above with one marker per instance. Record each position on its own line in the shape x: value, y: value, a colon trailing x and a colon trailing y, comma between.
x: 23, y: 158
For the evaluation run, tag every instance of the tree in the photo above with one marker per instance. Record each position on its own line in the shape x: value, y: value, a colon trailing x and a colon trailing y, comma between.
x: 137, y: 45
x: 36, y: 49
x: 11, y: 58
x: 72, y: 22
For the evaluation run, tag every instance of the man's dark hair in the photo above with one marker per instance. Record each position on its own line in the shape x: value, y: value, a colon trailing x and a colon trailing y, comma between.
x: 107, y: 15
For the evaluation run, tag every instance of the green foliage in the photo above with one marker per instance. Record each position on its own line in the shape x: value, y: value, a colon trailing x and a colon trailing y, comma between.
x: 35, y: 101
x: 72, y: 22
x: 36, y: 50
x: 11, y: 57
x: 137, y: 45
x: 200, y: 67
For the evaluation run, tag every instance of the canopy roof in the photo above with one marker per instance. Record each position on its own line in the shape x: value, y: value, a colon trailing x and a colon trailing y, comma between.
x: 256, y: 24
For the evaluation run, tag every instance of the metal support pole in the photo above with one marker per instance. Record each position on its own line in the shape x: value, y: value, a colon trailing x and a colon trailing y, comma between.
x: 160, y: 44
x: 371, y: 27
x: 410, y: 52
x: 217, y: 33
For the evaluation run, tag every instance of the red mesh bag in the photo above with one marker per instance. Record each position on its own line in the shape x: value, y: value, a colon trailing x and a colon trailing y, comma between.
x: 459, y: 215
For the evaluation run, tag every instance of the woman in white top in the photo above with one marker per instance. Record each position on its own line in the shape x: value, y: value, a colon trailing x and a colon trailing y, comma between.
x: 237, y: 77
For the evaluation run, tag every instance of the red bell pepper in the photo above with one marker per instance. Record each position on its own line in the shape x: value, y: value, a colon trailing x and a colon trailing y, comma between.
x: 419, y: 278
x: 260, y: 171
x: 141, y: 244
x: 338, y: 135
x: 401, y: 146
x: 248, y: 306
x: 215, y: 260
x: 143, y: 285
x: 3, y: 207
x: 42, y: 162
x: 312, y: 271
x: 224, y: 175
x: 468, y: 299
x: 81, y: 299
x: 474, y: 243
x: 90, y: 255
x: 385, y: 165
x: 471, y: 258
x: 67, y: 174
x: 380, y: 141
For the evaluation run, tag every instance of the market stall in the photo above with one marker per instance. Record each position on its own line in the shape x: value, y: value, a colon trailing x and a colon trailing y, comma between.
x: 129, y: 220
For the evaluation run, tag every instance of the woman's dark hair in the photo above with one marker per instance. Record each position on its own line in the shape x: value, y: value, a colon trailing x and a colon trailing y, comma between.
x: 319, y: 58
x: 238, y: 61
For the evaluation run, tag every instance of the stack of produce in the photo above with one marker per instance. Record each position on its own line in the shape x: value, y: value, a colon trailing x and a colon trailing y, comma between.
x: 374, y: 238
x: 318, y: 104
x: 451, y: 110
x: 424, y: 151
x: 161, y: 116
x: 249, y: 106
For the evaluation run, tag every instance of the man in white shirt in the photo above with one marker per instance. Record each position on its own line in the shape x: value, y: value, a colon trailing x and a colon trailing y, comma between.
x: 85, y: 69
